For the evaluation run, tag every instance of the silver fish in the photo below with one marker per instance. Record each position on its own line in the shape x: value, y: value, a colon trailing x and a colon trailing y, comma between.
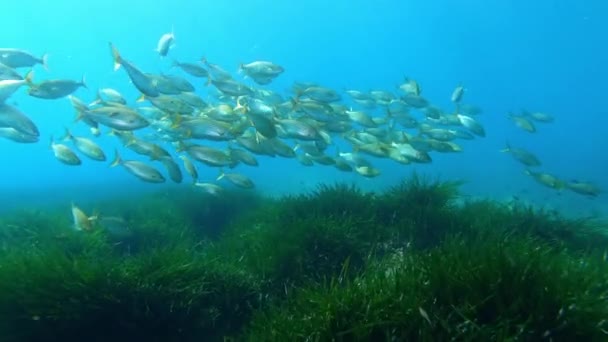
x: 12, y: 117
x: 139, y: 169
x: 142, y: 82
x: 15, y: 58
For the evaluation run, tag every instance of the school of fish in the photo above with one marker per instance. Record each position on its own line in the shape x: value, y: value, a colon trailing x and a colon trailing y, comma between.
x: 174, y: 126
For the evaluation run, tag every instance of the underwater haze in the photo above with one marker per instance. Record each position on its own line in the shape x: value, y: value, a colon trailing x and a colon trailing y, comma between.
x: 542, y: 56
x: 184, y: 171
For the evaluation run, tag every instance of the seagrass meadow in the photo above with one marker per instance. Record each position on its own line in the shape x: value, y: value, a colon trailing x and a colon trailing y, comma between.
x: 416, y: 262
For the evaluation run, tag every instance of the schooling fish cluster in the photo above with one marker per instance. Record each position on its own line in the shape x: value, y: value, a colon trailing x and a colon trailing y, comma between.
x: 248, y: 119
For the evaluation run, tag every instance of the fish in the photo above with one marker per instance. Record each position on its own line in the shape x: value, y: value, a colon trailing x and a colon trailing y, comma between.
x: 108, y: 96
x: 237, y: 179
x: 472, y: 125
x: 64, y: 154
x: 192, y: 69
x: 55, y: 89
x: 538, y: 116
x: 342, y: 164
x: 210, y: 156
x: 141, y: 81
x: 86, y: 146
x: 583, y: 188
x: 361, y: 118
x: 231, y: 87
x: 190, y: 168
x: 263, y: 124
x: 203, y: 128
x: 192, y: 99
x: 12, y: 134
x: 410, y: 86
x: 319, y: 94
x: 242, y: 156
x: 9, y: 87
x: 117, y: 117
x: 172, y: 168
x: 81, y: 221
x: 523, y: 156
x: 139, y: 169
x: 546, y: 179
x: 8, y: 73
x: 216, y: 72
x: 415, y: 101
x: 168, y: 104
x: 261, y: 72
x: 300, y: 130
x: 146, y: 148
x: 12, y: 117
x: 15, y: 58
x: 457, y: 94
x: 165, y: 43
x: 367, y: 171
x: 116, y: 227
x: 523, y: 123
x: 210, y: 188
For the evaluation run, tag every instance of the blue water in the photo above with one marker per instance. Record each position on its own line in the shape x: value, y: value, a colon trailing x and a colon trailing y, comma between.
x: 545, y: 55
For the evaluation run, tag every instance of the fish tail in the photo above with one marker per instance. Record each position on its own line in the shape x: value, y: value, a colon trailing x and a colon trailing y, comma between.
x: 98, y: 99
x: 141, y: 98
x: 176, y: 121
x: 117, y: 160
x: 79, y: 115
x: 180, y: 146
x: 67, y: 135
x: 83, y: 82
x: 222, y: 175
x: 294, y: 102
x: 116, y: 57
x: 29, y: 78
x: 44, y: 61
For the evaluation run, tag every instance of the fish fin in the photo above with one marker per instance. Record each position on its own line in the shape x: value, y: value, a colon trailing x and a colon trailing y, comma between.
x: 29, y: 78
x: 52, y: 141
x: 98, y: 99
x: 222, y: 175
x: 44, y: 61
x: 141, y: 98
x: 180, y: 146
x: 177, y: 121
x: 117, y: 160
x: 116, y: 57
x: 79, y: 115
x: 83, y: 82
x: 132, y: 140
x: 68, y: 135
